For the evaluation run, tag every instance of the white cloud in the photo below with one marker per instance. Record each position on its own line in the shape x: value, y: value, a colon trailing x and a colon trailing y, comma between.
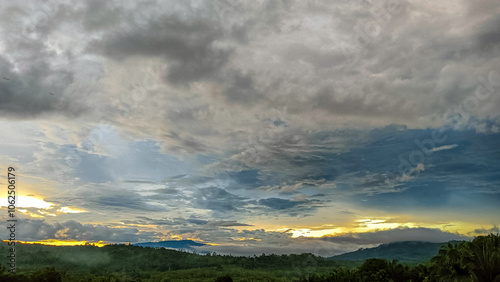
x: 446, y: 147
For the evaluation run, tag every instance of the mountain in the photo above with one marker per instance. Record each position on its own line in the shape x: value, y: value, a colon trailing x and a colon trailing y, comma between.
x: 172, y: 244
x: 405, y: 252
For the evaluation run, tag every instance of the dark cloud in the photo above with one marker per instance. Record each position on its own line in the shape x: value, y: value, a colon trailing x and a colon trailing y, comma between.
x: 271, y: 108
x: 279, y: 204
x: 394, y: 235
x: 241, y: 89
x: 36, y: 68
x: 166, y: 191
x: 494, y: 230
x: 223, y: 223
x: 27, y: 93
x: 197, y: 221
x: 143, y: 220
x: 488, y: 37
x: 187, y: 45
x: 217, y: 199
x: 105, y: 198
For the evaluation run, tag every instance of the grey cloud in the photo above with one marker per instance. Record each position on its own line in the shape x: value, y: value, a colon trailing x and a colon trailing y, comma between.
x: 223, y: 223
x: 168, y: 191
x: 185, y: 144
x: 142, y: 220
x: 304, y: 159
x: 101, y: 14
x: 176, y: 222
x: 241, y: 89
x: 394, y: 235
x: 185, y: 223
x: 27, y: 94
x: 104, y: 197
x: 37, y: 64
x: 217, y: 199
x: 318, y: 58
x: 283, y: 243
x: 197, y: 221
x: 31, y: 230
x: 307, y: 73
x: 188, y: 46
x: 229, y: 74
x: 279, y: 204
x: 488, y: 38
x: 493, y: 230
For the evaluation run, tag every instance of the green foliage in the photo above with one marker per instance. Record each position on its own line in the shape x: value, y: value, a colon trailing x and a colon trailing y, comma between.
x: 411, y: 252
x: 46, y: 275
x: 225, y: 278
x: 43, y: 275
x: 478, y: 260
x: 374, y: 270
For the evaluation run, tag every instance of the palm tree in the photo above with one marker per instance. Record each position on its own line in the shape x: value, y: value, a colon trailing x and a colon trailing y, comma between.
x: 483, y: 253
x: 450, y: 264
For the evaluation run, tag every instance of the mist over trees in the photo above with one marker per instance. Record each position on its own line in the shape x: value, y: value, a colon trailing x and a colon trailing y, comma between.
x: 477, y: 260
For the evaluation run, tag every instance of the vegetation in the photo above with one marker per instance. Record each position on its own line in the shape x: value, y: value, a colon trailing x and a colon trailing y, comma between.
x: 411, y: 252
x: 478, y: 260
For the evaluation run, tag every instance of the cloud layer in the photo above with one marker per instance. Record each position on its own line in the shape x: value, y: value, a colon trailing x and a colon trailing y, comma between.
x: 243, y: 123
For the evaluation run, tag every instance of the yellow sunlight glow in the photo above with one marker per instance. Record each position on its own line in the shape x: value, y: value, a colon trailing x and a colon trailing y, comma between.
x: 374, y: 224
x: 313, y: 233
x: 55, y: 242
x: 249, y: 239
x: 29, y: 213
x: 71, y: 210
x: 362, y: 225
x: 28, y: 202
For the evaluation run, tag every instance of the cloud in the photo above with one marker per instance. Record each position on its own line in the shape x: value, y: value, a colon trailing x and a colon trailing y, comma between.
x: 104, y: 197
x: 494, y: 230
x: 33, y: 230
x: 217, y: 199
x: 488, y: 37
x: 300, y: 185
x: 279, y: 204
x: 397, y: 234
x: 27, y: 93
x: 265, y: 57
x: 263, y: 108
x: 101, y: 15
x: 282, y: 243
x: 223, y: 223
x: 446, y: 147
x: 187, y: 45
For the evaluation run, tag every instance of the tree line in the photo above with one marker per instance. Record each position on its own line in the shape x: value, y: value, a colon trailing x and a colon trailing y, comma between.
x: 476, y: 260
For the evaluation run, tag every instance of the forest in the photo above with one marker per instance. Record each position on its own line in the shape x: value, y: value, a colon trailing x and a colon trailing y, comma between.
x: 476, y: 260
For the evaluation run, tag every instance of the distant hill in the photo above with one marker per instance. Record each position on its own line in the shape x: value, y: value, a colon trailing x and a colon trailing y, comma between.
x: 406, y: 252
x: 172, y: 244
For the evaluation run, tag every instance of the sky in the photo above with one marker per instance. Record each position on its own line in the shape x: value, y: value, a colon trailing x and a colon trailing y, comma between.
x: 252, y: 126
